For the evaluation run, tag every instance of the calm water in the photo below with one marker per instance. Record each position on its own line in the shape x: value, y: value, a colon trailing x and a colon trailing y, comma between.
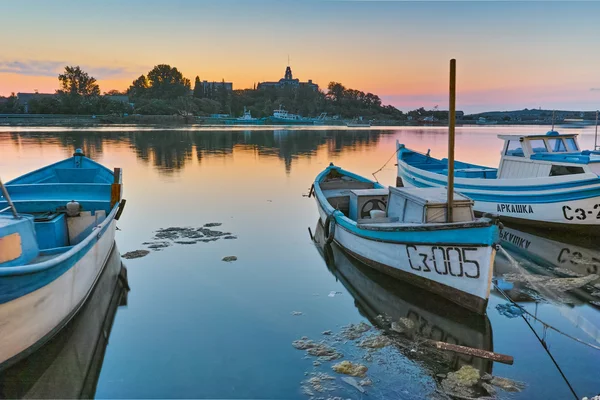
x: 195, y: 326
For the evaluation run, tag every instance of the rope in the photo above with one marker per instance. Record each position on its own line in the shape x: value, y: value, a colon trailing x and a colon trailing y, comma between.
x: 386, y: 163
x: 546, y: 325
x: 543, y: 340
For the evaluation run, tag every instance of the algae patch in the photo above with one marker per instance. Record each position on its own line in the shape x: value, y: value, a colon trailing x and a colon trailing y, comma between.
x: 350, y: 368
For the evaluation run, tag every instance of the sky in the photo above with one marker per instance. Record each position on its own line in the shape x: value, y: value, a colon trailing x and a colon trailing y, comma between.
x: 510, y: 55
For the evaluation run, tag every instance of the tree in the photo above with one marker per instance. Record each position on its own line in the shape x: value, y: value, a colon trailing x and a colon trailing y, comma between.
x: 115, y: 92
x: 166, y: 82
x: 138, y: 88
x: 336, y: 91
x: 198, y: 89
x: 76, y: 82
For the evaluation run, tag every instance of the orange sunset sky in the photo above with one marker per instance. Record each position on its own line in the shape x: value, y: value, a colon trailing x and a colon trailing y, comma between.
x: 510, y: 55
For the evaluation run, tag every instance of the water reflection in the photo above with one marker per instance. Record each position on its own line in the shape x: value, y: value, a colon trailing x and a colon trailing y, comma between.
x: 68, y: 366
x: 538, y: 256
x: 171, y: 150
x: 434, y: 317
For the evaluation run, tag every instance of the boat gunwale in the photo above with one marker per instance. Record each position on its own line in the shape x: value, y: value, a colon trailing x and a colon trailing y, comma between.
x: 53, y: 165
x: 97, y: 232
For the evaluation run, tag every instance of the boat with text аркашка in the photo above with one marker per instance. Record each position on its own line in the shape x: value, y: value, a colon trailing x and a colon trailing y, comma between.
x: 57, y: 230
x: 543, y: 180
x: 405, y: 233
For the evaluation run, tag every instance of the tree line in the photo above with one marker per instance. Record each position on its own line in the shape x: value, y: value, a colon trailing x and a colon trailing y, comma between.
x: 165, y: 91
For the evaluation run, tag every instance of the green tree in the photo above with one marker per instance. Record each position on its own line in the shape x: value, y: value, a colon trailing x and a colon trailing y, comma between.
x: 198, y: 89
x: 75, y: 82
x: 138, y: 88
x: 166, y: 82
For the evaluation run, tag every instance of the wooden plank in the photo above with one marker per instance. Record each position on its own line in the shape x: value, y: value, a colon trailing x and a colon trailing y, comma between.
x: 488, y: 355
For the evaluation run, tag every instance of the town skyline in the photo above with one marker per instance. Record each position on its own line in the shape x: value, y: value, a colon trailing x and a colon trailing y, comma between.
x: 396, y: 50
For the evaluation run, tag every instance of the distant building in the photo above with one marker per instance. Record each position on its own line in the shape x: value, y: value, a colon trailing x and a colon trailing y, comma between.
x: 24, y: 98
x: 214, y: 87
x: 288, y: 81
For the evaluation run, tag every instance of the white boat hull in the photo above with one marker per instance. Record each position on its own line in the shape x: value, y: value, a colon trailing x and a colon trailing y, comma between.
x: 30, y: 320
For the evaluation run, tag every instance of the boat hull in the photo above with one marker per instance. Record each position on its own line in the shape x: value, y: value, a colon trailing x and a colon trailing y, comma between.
x: 28, y: 321
x: 460, y: 273
x: 560, y: 204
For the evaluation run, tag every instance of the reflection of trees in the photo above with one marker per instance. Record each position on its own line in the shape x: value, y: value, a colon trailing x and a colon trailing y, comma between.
x: 171, y: 150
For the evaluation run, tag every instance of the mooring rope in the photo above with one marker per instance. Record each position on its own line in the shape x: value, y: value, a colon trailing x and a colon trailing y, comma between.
x: 384, y: 165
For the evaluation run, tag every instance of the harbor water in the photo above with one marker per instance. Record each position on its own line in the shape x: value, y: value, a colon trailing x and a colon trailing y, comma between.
x: 228, y: 316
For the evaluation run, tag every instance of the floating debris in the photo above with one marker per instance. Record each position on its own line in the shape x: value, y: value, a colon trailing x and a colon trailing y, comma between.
x: 159, y: 245
x: 596, y: 294
x: 211, y: 233
x: 319, y: 382
x: 212, y: 224
x: 592, y: 398
x: 596, y: 303
x: 321, y: 349
x: 296, y: 312
x: 208, y: 240
x: 509, y: 310
x: 352, y: 382
x: 365, y: 382
x: 229, y: 258
x: 507, y: 385
x: 349, y: 368
x: 333, y: 294
x: 352, y: 331
x: 186, y: 242
x: 489, y: 389
x: 327, y: 333
x: 462, y: 382
x: 375, y: 342
x: 229, y: 237
x: 316, y: 363
x: 135, y: 254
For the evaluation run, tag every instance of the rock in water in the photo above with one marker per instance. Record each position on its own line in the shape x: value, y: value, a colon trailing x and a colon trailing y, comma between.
x: 404, y: 325
x: 352, y: 382
x: 507, y: 384
x: 212, y: 224
x: 352, y: 332
x: 135, y: 254
x: 461, y: 382
x: 321, y: 350
x: 375, y: 342
x: 349, y: 368
x: 229, y: 258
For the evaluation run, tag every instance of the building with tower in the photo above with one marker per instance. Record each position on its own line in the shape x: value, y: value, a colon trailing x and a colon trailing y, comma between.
x: 288, y: 81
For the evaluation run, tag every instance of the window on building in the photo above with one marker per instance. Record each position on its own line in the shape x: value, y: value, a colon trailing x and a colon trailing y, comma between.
x: 558, y: 170
x: 571, y: 144
x: 538, y: 146
x: 557, y: 145
x: 514, y: 149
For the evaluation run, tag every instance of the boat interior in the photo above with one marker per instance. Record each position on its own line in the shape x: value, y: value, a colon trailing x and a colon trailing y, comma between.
x: 57, y: 207
x: 367, y: 202
x: 461, y: 169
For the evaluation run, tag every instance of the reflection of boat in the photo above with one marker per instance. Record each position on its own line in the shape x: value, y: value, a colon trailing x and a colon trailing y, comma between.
x: 542, y: 180
x: 538, y: 254
x: 404, y: 233
x: 435, y: 318
x: 68, y: 366
x: 53, y: 249
x: 281, y: 116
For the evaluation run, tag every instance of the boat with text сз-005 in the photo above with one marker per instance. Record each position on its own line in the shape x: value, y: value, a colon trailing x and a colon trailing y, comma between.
x: 405, y: 233
x: 57, y: 230
x: 542, y: 180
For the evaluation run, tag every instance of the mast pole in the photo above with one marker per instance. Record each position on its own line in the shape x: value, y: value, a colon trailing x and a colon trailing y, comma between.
x: 596, y: 135
x: 451, y: 126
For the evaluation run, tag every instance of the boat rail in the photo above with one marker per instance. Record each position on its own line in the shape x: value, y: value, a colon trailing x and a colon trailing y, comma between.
x: 11, y: 206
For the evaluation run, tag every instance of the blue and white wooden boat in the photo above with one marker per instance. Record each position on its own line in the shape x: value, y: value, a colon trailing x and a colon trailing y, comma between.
x: 403, y: 232
x: 54, y: 242
x: 542, y: 180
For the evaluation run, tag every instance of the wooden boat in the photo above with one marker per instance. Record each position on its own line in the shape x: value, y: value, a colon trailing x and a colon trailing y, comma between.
x: 434, y: 318
x: 53, y: 247
x: 68, y: 366
x: 404, y: 233
x: 542, y: 180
